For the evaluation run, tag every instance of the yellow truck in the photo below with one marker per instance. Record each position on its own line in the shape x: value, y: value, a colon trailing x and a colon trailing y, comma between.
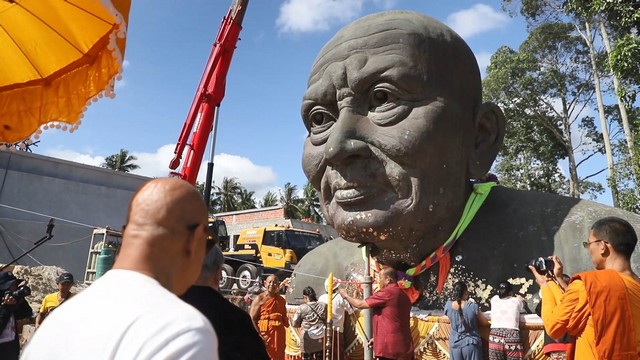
x: 266, y: 250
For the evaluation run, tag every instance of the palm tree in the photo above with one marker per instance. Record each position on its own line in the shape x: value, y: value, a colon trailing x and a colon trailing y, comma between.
x: 121, y: 161
x: 311, y: 204
x: 246, y: 200
x: 214, y: 201
x: 228, y: 194
x: 290, y: 201
x: 269, y: 199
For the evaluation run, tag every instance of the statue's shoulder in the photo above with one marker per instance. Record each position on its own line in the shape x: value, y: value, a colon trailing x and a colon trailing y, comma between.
x: 539, y: 206
x: 336, y: 256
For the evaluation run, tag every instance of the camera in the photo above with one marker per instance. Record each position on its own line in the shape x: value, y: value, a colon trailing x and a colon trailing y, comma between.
x: 542, y: 265
x: 20, y: 293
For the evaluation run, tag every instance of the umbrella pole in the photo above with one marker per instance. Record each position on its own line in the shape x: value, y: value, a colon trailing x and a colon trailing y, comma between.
x: 209, y: 179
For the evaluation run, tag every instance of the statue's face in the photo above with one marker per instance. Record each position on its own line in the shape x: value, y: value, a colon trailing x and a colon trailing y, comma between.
x: 387, y: 149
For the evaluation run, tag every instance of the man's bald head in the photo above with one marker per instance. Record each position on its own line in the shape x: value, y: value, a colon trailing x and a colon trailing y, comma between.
x: 166, y: 205
x: 165, y: 234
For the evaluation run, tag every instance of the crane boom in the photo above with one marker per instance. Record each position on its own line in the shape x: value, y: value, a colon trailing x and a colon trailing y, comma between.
x: 199, y: 123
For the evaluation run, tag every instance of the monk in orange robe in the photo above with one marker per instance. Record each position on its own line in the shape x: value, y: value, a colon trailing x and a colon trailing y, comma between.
x: 600, y: 308
x: 269, y: 313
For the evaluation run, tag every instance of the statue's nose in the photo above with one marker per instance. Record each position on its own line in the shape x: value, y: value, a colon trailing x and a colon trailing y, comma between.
x: 347, y: 140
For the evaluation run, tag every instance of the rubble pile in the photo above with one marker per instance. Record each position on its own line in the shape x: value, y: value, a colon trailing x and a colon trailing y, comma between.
x: 42, y: 281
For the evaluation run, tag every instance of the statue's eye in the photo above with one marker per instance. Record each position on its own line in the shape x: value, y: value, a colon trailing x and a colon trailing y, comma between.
x: 379, y: 98
x: 320, y: 118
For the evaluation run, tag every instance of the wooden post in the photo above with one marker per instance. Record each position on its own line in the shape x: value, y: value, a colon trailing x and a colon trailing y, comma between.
x: 328, y: 332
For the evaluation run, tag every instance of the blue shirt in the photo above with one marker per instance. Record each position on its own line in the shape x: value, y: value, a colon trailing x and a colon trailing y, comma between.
x: 460, y: 336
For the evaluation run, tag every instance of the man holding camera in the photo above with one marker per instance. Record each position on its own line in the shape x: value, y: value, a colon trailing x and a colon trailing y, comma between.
x: 600, y: 308
x: 13, y: 307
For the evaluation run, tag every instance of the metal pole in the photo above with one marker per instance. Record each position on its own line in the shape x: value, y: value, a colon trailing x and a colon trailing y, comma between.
x: 36, y: 245
x: 368, y: 323
x: 209, y: 179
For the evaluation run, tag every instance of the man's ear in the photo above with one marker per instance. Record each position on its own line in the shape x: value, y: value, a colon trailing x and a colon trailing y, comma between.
x: 489, y: 134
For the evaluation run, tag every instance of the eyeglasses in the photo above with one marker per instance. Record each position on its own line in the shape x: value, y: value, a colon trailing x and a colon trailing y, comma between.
x: 585, y: 244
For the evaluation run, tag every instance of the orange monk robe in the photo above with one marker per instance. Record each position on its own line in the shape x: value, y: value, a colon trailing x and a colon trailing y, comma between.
x: 613, y: 332
x: 272, y: 325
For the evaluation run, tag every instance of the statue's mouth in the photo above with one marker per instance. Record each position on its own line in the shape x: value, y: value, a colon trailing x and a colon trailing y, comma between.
x: 352, y: 195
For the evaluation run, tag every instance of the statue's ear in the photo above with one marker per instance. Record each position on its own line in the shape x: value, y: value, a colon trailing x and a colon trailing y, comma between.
x: 489, y: 127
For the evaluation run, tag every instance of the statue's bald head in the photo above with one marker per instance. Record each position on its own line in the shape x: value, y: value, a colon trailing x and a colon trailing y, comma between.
x: 397, y: 128
x: 449, y: 65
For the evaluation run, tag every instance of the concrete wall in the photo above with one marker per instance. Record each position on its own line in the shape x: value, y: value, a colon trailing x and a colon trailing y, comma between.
x: 34, y: 188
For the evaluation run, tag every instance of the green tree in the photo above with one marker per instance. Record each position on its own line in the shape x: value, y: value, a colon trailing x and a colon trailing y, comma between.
x: 228, y: 193
x: 617, y: 22
x: 269, y: 199
x: 246, y: 200
x: 290, y: 201
x: 622, y: 17
x: 122, y: 161
x: 310, y: 204
x: 214, y: 201
x: 543, y: 88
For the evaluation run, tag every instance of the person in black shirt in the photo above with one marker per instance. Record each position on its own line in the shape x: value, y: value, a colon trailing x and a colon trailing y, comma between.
x: 238, y: 338
x: 12, y: 308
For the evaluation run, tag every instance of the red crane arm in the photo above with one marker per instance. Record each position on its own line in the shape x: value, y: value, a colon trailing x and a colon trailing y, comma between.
x: 199, y: 123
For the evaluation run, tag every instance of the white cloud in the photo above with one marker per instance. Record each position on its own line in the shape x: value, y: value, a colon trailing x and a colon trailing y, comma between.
x: 154, y: 164
x: 484, y: 59
x: 125, y: 64
x: 253, y: 177
x: 477, y: 19
x: 75, y: 156
x: 316, y: 15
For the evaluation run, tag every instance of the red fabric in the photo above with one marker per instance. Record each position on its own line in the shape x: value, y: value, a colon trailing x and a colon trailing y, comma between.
x: 611, y: 313
x: 443, y: 271
x: 554, y: 347
x: 391, y: 330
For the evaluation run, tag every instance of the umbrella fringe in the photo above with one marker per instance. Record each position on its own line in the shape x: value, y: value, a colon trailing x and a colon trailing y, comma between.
x: 118, y: 34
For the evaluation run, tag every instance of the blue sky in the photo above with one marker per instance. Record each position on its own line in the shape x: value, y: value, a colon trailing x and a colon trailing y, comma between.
x: 260, y: 133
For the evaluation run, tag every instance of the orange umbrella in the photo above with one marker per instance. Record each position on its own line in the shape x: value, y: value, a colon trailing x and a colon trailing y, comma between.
x: 56, y: 57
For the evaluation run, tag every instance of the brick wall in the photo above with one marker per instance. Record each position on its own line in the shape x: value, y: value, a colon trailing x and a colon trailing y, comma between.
x: 252, y: 216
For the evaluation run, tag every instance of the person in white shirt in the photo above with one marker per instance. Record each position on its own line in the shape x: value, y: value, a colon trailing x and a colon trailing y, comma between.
x: 504, y: 337
x: 133, y: 311
x: 340, y: 307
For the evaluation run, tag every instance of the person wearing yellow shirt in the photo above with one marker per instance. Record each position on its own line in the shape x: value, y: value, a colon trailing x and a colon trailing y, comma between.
x: 600, y: 308
x: 52, y: 301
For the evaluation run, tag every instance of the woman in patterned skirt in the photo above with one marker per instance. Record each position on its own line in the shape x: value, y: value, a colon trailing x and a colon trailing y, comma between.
x: 504, y: 338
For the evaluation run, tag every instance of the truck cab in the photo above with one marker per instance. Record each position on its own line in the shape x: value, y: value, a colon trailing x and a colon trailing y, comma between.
x: 266, y: 250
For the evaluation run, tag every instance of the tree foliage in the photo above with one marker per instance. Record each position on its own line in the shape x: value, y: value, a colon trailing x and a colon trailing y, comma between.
x: 622, y: 18
x: 228, y: 193
x: 543, y: 88
x: 290, y: 201
x: 310, y: 204
x: 269, y: 199
x: 616, y: 74
x: 122, y: 161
